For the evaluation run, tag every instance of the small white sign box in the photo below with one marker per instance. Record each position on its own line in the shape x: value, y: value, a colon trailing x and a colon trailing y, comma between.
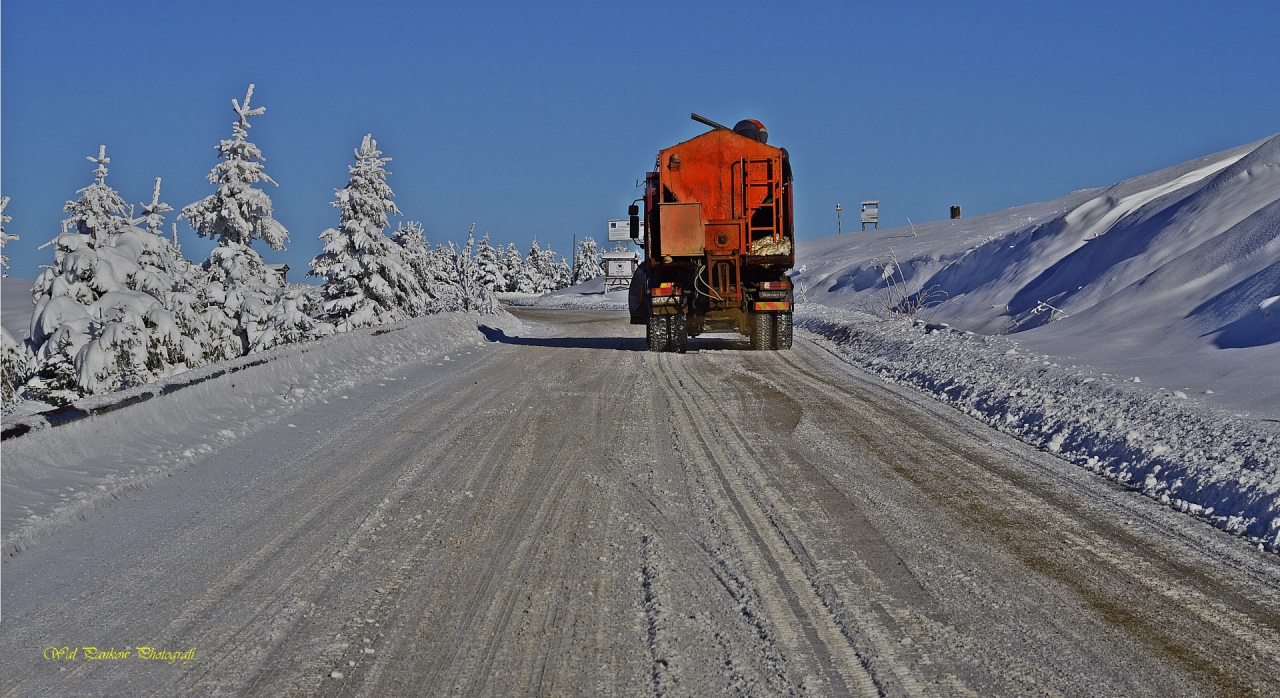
x: 619, y: 266
x: 871, y: 214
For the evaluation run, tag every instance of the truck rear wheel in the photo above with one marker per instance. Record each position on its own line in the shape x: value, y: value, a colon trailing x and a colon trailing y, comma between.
x: 679, y: 333
x: 762, y: 331
x: 782, y: 336
x: 656, y: 332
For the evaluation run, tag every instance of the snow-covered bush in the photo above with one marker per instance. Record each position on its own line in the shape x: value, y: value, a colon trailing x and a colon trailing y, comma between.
x: 442, y: 278
x: 586, y: 262
x: 367, y: 281
x: 103, y: 318
x: 13, y: 365
x: 901, y: 295
x: 293, y: 316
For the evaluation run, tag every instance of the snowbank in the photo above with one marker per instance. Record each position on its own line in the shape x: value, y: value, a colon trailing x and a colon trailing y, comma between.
x: 55, y: 475
x: 1166, y: 276
x: 1169, y: 445
x: 589, y: 295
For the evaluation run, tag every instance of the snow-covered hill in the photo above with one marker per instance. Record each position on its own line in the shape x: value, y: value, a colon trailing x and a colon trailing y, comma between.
x: 1169, y: 277
x: 16, y: 306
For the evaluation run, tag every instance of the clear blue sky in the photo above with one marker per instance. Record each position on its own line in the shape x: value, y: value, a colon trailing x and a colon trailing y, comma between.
x: 536, y: 119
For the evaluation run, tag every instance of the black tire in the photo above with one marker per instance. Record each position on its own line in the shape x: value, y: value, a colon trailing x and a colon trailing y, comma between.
x: 761, y: 331
x: 657, y: 332
x: 679, y: 333
x: 782, y: 331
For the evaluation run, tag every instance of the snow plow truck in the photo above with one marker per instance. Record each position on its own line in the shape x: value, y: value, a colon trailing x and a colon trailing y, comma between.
x: 718, y: 240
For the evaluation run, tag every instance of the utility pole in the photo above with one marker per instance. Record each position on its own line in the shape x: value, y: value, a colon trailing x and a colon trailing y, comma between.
x: 839, y: 230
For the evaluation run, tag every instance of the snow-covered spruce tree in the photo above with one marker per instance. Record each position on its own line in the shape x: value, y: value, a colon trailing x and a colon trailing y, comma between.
x: 241, y: 288
x: 443, y: 279
x: 473, y: 295
x: 491, y: 271
x: 561, y: 274
x: 512, y: 266
x: 550, y: 274
x: 416, y: 253
x: 102, y: 320
x: 100, y: 211
x: 532, y: 277
x: 164, y: 269
x: 5, y: 237
x: 586, y: 262
x: 433, y: 268
x: 366, y: 278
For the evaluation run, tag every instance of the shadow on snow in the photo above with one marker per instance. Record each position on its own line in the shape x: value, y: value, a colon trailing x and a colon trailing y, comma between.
x: 494, y: 334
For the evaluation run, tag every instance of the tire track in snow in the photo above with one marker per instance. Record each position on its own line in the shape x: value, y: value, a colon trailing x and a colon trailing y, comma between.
x: 807, y: 621
x: 1113, y: 567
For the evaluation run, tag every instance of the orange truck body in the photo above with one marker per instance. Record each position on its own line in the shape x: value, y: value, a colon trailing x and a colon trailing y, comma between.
x: 718, y: 239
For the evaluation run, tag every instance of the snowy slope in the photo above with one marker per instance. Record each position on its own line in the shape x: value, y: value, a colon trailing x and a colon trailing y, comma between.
x: 1162, y: 276
x: 588, y: 295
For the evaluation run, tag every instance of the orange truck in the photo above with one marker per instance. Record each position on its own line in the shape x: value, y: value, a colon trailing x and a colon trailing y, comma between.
x: 718, y: 238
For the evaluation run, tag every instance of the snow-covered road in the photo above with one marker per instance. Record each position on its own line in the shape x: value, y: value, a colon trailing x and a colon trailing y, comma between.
x: 563, y: 513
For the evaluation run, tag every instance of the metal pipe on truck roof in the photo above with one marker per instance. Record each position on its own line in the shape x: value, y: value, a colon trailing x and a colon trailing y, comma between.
x: 709, y: 122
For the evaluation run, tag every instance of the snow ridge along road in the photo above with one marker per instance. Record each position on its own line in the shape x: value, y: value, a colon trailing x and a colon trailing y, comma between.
x: 567, y: 514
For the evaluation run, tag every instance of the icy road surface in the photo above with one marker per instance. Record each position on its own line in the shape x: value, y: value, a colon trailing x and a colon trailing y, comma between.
x: 568, y: 514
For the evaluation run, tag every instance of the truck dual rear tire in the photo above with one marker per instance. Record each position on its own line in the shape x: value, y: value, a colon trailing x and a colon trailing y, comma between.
x: 771, y: 331
x: 782, y: 331
x: 656, y: 332
x: 762, y: 331
x: 679, y: 334
x: 668, y: 333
